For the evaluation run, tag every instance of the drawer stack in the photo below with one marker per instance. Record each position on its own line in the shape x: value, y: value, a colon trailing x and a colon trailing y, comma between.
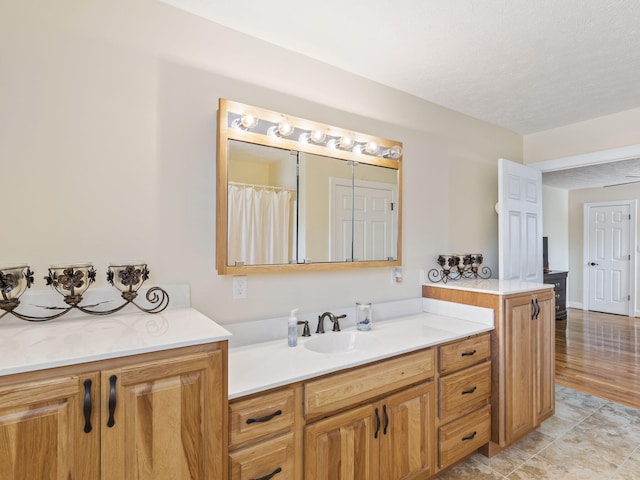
x: 464, y: 413
x: 261, y: 436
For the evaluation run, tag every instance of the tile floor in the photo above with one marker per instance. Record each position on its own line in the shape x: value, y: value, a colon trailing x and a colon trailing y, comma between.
x: 588, y: 438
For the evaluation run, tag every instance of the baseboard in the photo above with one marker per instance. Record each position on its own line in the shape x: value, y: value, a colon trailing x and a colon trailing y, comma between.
x: 577, y: 305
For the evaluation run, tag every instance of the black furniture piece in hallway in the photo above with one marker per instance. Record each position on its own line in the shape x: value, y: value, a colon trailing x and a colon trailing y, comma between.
x: 558, y: 279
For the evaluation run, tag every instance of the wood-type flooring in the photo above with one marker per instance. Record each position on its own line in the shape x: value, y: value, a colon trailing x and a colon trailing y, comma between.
x: 599, y: 353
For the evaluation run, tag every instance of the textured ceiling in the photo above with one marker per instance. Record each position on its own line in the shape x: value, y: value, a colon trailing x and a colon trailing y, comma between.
x: 525, y: 65
x: 602, y: 175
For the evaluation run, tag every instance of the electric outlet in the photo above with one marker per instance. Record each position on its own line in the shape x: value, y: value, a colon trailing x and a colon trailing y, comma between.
x: 240, y: 286
x: 396, y: 275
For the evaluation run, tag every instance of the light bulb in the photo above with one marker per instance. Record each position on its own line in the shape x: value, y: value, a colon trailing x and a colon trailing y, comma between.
x: 284, y: 128
x: 371, y: 148
x: 317, y: 136
x: 345, y: 142
x: 248, y: 120
x: 394, y: 152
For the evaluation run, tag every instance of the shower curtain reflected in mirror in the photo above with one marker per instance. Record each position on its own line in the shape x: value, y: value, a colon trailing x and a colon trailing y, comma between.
x: 260, y: 230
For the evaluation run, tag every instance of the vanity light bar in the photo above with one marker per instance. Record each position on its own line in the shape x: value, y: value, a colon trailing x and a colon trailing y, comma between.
x: 280, y: 126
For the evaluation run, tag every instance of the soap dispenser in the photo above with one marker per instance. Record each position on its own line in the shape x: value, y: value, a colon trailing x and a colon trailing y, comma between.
x: 293, y: 328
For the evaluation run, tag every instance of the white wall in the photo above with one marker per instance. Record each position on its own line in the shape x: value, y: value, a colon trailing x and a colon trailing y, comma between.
x: 602, y: 133
x: 107, y: 150
x: 555, y: 204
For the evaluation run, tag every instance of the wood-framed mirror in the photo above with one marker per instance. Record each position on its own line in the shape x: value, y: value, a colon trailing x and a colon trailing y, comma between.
x: 298, y: 195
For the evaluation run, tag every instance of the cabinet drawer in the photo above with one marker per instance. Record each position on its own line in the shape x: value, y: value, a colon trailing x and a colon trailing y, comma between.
x: 362, y: 384
x: 263, y: 459
x: 464, y: 353
x: 461, y: 437
x: 464, y: 391
x: 261, y: 416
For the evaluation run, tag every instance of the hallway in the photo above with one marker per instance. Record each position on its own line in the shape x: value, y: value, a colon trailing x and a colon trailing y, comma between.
x: 597, y: 353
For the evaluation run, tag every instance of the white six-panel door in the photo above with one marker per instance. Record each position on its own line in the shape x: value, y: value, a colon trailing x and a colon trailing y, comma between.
x: 520, y: 222
x: 363, y: 221
x: 608, y: 256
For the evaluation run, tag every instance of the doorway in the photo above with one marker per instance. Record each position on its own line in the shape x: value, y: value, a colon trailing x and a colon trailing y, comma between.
x: 608, y: 254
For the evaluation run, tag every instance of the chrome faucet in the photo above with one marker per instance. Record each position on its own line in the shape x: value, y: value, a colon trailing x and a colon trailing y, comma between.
x: 333, y: 318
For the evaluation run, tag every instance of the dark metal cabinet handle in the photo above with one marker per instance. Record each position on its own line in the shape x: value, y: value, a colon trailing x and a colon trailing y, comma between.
x: 87, y: 406
x: 271, y: 475
x: 112, y: 400
x: 536, y: 309
x: 266, y: 418
x: 533, y: 310
x: 468, y: 354
x: 386, y: 419
x: 469, y: 437
x: 375, y: 435
x: 471, y: 390
x: 593, y: 264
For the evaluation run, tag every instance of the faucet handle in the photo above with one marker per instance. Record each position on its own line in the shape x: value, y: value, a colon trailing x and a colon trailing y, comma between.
x: 305, y: 330
x: 336, y: 323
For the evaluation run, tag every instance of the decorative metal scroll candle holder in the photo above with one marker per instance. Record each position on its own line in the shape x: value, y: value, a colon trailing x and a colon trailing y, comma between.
x: 456, y: 267
x: 71, y: 281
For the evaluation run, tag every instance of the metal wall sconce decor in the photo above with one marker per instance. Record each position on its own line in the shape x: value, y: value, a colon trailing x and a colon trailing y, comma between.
x: 455, y: 267
x: 71, y: 281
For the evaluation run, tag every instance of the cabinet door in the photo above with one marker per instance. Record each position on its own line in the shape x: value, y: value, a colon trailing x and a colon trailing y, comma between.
x: 519, y: 358
x: 407, y: 444
x: 163, y: 426
x: 544, y: 379
x: 42, y: 430
x: 344, y: 446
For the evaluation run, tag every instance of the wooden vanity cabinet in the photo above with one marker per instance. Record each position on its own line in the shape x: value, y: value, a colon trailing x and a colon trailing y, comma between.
x: 403, y: 418
x: 522, y: 359
x: 529, y: 355
x: 264, y: 436
x: 392, y: 438
x: 373, y: 422
x: 153, y: 416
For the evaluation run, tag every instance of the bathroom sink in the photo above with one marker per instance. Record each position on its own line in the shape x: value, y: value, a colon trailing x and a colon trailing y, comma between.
x: 341, y: 342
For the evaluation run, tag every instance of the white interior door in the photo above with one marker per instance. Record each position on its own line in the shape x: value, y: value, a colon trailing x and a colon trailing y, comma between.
x: 373, y: 221
x: 363, y: 220
x: 341, y: 220
x: 520, y: 222
x: 608, y: 257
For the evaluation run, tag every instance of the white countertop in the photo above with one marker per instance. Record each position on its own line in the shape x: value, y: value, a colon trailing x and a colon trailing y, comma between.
x: 492, y: 286
x: 27, y: 346
x: 259, y: 367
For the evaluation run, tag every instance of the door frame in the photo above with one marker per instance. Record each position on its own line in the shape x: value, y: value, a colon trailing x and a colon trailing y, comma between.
x: 632, y: 251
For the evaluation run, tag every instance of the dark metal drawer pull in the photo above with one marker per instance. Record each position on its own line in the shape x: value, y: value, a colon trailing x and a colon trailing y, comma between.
x: 375, y: 435
x: 87, y: 406
x: 469, y: 437
x: 468, y: 354
x: 471, y: 390
x: 266, y: 418
x: 271, y: 475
